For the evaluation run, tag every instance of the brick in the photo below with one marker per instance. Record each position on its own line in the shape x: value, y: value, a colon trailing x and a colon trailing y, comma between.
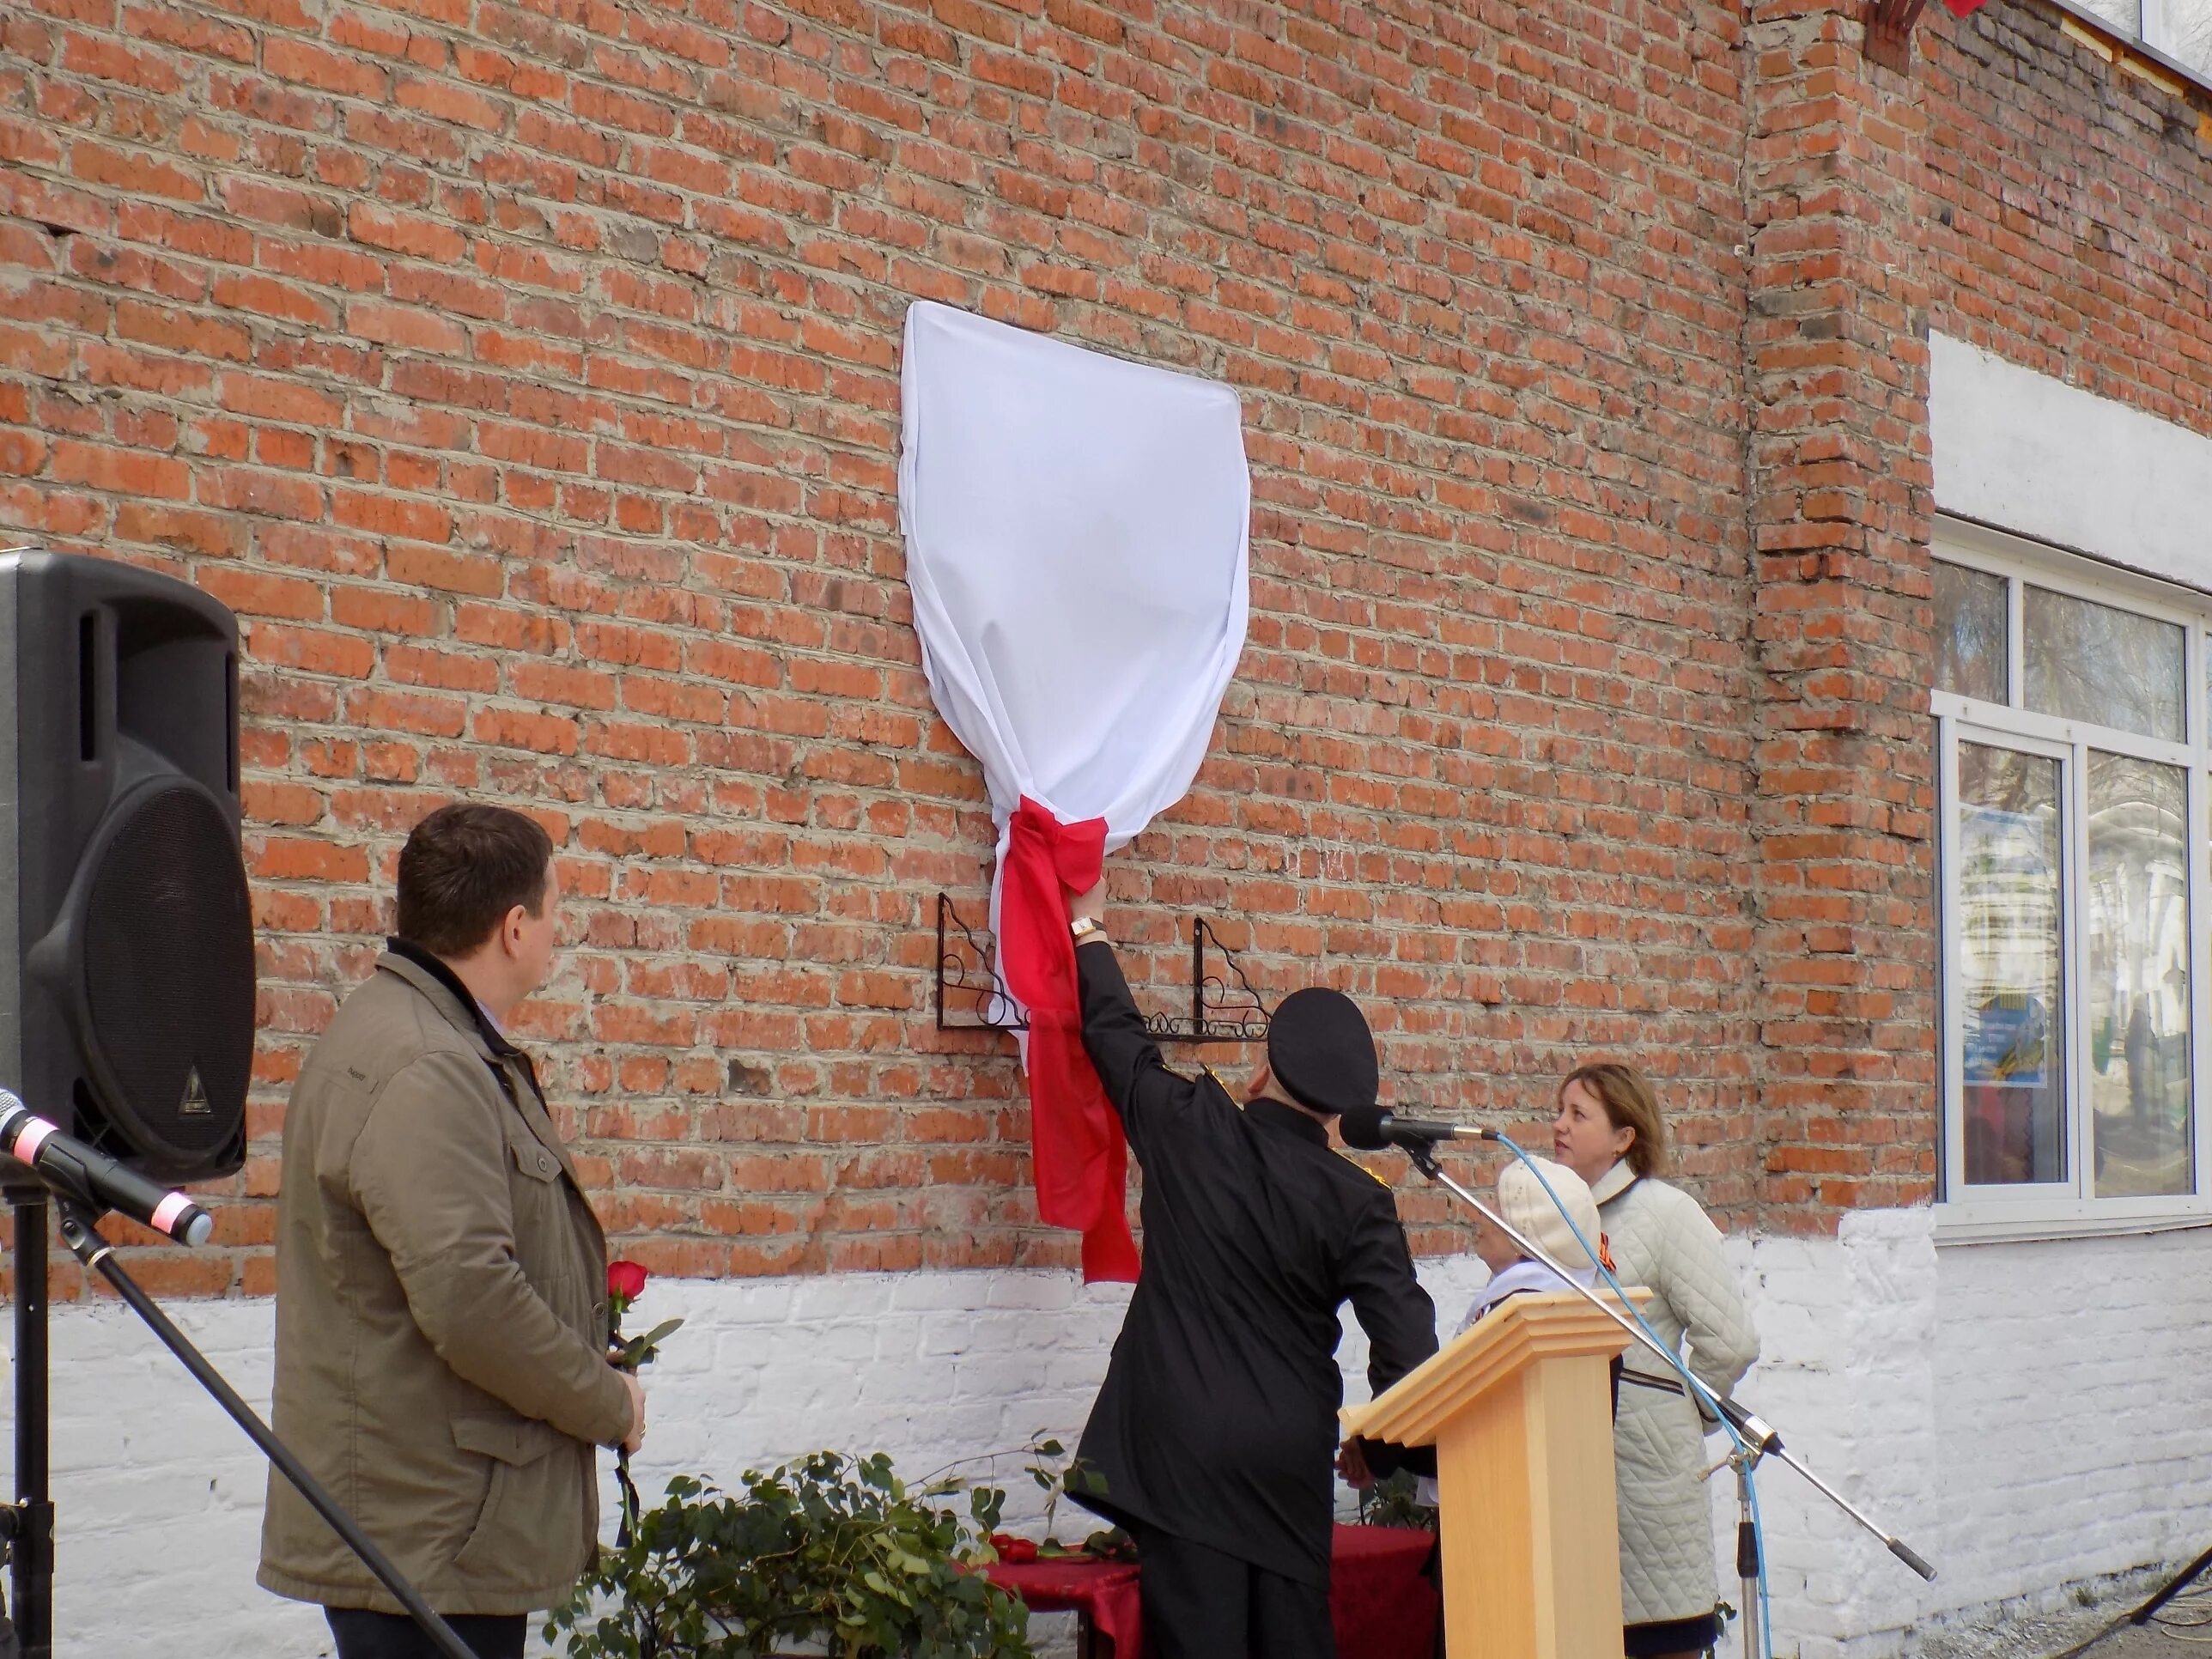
x: 406, y: 326
x: 505, y: 728
x: 313, y: 651
x: 434, y: 717
x: 109, y: 59
x: 410, y: 664
x: 412, y: 234
x: 23, y: 454
x: 123, y: 471
x: 390, y: 515
x: 182, y: 331
x: 137, y: 173
x: 303, y: 60
x: 437, y: 567
x: 378, y: 610
x: 211, y: 535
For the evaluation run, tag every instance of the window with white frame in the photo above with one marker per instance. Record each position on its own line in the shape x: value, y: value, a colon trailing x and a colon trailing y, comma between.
x: 2070, y: 711
x: 2179, y: 29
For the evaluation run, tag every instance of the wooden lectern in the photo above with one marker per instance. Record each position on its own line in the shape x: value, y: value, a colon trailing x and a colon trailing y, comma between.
x: 1519, y: 1410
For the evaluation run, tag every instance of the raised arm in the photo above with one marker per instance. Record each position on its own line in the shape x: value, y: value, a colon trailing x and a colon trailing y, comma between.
x: 1137, y: 1081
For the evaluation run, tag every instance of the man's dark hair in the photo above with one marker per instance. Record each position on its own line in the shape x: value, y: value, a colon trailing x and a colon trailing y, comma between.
x: 463, y: 869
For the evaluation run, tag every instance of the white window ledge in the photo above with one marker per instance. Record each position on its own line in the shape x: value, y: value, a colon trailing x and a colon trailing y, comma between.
x: 2021, y: 1220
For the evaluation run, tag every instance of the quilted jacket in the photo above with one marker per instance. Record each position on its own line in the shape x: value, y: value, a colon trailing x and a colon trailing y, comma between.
x: 1661, y: 1239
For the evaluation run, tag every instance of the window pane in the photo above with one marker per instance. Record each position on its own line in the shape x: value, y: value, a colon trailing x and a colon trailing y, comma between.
x: 2091, y: 662
x: 2008, y: 967
x: 2188, y: 26
x: 1970, y: 631
x: 2125, y: 15
x: 2137, y: 985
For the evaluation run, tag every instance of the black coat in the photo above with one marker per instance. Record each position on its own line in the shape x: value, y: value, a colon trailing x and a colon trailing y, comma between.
x: 1218, y: 1419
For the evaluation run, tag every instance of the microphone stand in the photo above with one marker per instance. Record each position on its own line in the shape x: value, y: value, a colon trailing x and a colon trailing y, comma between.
x: 1760, y: 1439
x: 1746, y: 1553
x: 29, y: 1527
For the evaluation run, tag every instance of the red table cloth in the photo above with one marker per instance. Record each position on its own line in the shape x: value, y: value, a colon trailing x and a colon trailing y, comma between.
x: 1383, y: 1605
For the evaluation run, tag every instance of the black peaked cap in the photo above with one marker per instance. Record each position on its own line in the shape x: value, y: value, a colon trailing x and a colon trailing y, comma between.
x: 1322, y: 1052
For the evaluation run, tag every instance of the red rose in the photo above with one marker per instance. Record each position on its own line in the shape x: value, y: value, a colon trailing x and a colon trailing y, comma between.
x: 625, y: 1279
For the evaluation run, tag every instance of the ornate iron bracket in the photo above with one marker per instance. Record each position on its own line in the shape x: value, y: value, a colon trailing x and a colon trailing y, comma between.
x: 1224, y: 1005
x: 1889, y: 28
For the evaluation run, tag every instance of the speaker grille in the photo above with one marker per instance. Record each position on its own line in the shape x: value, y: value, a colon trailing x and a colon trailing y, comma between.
x: 168, y: 967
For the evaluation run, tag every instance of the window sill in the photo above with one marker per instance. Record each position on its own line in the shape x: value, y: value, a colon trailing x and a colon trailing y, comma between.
x: 2034, y: 1220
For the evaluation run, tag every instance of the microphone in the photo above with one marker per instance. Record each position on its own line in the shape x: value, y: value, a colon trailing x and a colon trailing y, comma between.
x: 96, y: 1179
x: 1371, y: 1128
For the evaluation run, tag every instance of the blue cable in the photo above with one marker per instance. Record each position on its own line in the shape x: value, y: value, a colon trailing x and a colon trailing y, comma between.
x: 1689, y: 1378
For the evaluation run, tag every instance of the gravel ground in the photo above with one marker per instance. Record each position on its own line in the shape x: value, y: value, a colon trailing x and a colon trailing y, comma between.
x: 2077, y: 1616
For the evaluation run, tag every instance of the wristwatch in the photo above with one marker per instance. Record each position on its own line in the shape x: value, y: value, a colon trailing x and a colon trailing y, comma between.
x: 1084, y: 926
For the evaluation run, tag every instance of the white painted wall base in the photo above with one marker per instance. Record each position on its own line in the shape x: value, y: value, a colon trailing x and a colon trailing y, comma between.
x: 2025, y: 1415
x: 2022, y: 451
x: 2028, y: 1416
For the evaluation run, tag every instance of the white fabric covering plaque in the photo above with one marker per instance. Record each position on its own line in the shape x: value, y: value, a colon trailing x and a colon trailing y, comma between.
x: 1077, y: 536
x: 1076, y: 541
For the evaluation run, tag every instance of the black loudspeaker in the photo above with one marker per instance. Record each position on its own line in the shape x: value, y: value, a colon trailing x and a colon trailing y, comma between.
x: 126, y: 934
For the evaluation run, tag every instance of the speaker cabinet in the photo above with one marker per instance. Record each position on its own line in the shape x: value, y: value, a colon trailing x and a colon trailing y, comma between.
x: 126, y: 934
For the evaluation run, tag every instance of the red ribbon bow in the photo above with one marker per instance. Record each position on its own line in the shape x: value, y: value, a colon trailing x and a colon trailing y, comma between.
x: 1080, y: 1160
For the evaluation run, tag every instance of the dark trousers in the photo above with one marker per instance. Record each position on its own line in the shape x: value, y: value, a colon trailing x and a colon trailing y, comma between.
x: 365, y: 1635
x: 1201, y: 1604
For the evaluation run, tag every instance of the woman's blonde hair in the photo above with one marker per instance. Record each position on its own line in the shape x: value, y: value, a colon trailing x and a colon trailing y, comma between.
x: 1627, y: 1095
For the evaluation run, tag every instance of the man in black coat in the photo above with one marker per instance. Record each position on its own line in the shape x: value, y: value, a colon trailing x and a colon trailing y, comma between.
x: 1215, y: 1432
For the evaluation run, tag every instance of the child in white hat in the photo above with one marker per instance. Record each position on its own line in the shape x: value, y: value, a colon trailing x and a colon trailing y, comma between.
x: 1529, y: 1210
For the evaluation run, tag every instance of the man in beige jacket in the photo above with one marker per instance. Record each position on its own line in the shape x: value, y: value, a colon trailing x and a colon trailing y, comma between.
x: 442, y: 1320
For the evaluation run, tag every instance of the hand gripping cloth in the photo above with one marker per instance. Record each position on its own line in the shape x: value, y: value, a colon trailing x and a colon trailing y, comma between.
x: 1076, y: 542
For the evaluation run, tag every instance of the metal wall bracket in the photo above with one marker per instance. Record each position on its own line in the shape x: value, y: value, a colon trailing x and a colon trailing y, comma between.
x: 1224, y: 1007
x: 1889, y: 26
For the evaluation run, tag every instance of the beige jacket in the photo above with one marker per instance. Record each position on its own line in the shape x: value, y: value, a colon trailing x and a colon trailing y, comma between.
x: 1660, y: 1238
x: 440, y: 1313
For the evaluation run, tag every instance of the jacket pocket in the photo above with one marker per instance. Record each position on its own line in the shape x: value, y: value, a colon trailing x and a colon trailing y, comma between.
x: 500, y: 1544
x: 533, y: 1161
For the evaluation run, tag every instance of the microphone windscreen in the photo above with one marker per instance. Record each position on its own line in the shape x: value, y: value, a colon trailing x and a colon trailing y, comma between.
x: 1362, y: 1127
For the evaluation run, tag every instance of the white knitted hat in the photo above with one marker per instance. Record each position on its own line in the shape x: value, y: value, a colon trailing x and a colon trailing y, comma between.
x: 1522, y: 1201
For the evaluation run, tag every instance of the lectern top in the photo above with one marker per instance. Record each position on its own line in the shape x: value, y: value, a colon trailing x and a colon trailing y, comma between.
x: 1557, y: 1325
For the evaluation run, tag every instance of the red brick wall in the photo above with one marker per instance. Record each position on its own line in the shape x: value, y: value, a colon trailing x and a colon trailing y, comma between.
x: 2067, y: 213
x: 2016, y: 191
x: 526, y: 376
x: 1840, y: 504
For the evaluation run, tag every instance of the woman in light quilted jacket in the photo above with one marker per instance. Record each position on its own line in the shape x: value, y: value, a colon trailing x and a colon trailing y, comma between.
x: 1610, y: 1132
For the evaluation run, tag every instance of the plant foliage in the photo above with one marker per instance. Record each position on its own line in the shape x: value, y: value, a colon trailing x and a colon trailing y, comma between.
x: 832, y: 1549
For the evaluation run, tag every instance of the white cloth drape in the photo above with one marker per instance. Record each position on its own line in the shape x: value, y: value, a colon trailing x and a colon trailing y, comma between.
x: 1077, y: 540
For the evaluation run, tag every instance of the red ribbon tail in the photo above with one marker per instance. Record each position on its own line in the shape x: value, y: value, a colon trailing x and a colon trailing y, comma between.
x: 1109, y: 1254
x: 1078, y: 1154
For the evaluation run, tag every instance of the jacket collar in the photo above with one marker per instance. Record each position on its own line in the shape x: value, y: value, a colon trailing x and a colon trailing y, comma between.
x: 429, y: 973
x: 1276, y: 1115
x: 459, y: 1004
x: 1524, y: 1278
x: 1614, y: 1182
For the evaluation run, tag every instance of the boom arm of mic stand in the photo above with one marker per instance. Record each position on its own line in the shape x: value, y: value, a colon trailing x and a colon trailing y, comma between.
x: 1763, y: 1439
x: 1759, y: 1434
x: 94, y: 1251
